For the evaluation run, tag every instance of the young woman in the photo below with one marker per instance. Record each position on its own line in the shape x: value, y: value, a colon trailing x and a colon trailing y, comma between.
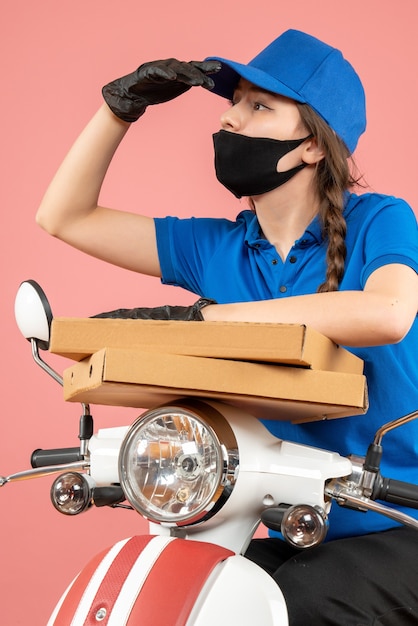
x: 306, y: 251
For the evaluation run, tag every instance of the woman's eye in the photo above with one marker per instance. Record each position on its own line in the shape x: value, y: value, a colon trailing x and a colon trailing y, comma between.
x: 259, y: 106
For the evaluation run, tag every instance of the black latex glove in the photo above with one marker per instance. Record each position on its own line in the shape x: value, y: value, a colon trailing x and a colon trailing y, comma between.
x: 156, y: 82
x: 165, y: 312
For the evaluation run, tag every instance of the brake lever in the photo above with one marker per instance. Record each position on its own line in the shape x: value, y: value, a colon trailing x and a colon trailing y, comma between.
x: 344, y: 496
x: 43, y: 471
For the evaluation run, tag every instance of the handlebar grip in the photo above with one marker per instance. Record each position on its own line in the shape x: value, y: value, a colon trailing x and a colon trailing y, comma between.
x: 57, y: 456
x: 397, y: 492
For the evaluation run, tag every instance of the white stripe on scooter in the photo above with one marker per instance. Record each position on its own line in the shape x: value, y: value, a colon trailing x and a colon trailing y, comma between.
x: 135, y: 580
x: 95, y: 582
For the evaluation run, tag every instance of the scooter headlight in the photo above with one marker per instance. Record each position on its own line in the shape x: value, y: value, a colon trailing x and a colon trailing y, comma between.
x: 177, y: 465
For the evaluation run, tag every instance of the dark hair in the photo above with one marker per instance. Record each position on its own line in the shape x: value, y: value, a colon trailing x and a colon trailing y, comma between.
x: 333, y: 177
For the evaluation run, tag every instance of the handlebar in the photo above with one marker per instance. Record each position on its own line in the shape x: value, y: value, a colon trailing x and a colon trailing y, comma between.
x: 55, y: 456
x: 396, y: 492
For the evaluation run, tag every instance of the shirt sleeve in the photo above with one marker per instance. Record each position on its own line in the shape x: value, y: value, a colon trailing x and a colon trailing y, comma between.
x: 185, y: 247
x: 391, y: 237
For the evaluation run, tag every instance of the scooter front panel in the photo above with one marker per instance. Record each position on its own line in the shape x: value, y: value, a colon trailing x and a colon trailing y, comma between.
x: 142, y: 581
x: 99, y: 583
x: 239, y: 592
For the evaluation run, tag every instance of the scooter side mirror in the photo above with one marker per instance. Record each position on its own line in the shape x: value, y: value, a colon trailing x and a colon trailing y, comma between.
x: 33, y: 313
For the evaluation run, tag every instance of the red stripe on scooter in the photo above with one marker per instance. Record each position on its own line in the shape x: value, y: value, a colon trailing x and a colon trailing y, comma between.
x: 174, y: 583
x: 110, y: 586
x: 115, y: 577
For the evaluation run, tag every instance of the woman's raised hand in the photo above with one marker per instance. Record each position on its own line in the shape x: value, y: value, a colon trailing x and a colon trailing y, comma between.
x: 156, y: 82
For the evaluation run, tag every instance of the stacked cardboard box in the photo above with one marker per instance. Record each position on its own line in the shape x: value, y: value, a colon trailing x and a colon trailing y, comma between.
x: 275, y: 371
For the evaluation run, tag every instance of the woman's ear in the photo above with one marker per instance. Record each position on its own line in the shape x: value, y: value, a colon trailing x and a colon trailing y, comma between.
x: 312, y: 153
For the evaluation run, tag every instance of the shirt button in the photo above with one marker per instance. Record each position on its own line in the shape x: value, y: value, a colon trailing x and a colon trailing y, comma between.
x: 274, y: 261
x: 292, y: 259
x: 283, y: 289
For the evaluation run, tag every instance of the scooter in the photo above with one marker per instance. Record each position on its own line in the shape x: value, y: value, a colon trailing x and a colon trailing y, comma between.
x: 204, y: 474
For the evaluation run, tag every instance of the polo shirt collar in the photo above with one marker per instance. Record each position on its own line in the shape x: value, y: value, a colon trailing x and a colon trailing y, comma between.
x: 254, y: 237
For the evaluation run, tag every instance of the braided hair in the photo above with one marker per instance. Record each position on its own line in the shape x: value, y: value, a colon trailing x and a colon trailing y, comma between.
x: 333, y: 177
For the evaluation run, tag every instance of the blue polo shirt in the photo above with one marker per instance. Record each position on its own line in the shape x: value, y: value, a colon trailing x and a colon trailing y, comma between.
x: 230, y: 261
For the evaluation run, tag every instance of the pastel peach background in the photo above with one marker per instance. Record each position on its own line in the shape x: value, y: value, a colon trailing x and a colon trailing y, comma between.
x: 55, y: 58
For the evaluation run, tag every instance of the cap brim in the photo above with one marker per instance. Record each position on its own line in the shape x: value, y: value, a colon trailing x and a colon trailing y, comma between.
x: 228, y: 76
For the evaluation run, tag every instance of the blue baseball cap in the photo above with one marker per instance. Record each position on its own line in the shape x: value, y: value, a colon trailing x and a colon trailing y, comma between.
x: 299, y: 66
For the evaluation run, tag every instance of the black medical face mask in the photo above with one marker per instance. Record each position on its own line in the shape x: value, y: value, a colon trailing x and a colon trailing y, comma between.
x: 247, y: 165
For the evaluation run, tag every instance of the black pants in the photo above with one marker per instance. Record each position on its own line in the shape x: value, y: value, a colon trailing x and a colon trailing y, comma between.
x: 359, y: 581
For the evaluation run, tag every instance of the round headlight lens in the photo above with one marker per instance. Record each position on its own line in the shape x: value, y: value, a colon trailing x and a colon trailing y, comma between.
x: 172, y: 465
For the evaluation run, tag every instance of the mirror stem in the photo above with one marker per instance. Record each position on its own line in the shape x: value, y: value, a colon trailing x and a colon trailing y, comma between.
x: 42, y: 364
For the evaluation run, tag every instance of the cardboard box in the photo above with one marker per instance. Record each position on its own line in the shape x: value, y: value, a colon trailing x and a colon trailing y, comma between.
x: 288, y: 344
x: 144, y: 379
